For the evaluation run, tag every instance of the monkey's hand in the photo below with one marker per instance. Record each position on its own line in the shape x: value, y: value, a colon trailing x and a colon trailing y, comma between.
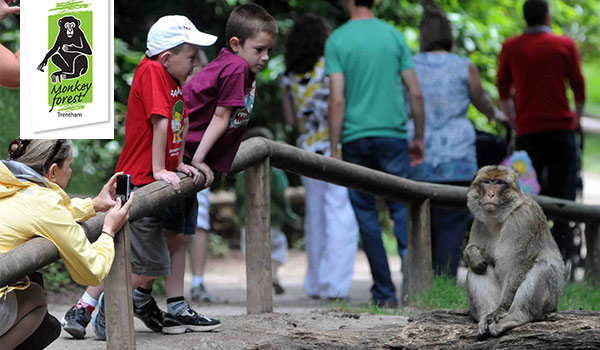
x: 67, y: 47
x: 41, y: 66
x: 473, y: 256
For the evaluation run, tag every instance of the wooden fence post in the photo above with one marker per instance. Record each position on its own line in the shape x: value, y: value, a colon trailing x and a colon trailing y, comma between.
x: 592, y: 264
x: 418, y: 269
x: 118, y: 305
x: 259, y: 292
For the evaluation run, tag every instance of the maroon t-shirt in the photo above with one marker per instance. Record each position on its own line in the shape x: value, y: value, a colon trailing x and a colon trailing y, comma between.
x: 153, y: 91
x: 226, y: 82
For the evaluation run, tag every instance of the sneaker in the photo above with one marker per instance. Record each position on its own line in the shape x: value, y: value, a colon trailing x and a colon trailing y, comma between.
x: 151, y: 315
x: 75, y: 321
x: 98, y: 322
x: 189, y: 320
x: 199, y: 293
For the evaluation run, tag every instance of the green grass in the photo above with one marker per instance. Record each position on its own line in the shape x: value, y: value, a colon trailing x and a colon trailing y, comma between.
x: 368, y: 309
x: 446, y: 293
x: 580, y: 296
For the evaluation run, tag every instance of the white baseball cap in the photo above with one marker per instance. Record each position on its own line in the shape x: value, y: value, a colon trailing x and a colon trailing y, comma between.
x: 171, y: 31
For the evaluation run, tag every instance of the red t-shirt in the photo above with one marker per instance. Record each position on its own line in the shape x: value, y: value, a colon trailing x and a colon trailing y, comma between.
x: 537, y: 66
x: 153, y: 91
x: 227, y: 82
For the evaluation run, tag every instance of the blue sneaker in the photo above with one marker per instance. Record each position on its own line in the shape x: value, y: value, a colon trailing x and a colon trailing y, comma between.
x: 98, y: 320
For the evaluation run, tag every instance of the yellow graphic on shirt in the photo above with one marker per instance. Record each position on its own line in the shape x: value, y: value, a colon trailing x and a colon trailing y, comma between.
x: 176, y: 125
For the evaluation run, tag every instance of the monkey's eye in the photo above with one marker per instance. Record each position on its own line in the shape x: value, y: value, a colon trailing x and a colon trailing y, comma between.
x: 500, y: 182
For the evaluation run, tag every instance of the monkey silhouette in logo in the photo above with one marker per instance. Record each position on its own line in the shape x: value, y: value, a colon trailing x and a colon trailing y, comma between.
x: 515, y: 270
x: 69, y: 51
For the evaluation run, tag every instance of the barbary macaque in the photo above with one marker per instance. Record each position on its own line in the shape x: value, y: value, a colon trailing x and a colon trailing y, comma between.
x: 515, y: 270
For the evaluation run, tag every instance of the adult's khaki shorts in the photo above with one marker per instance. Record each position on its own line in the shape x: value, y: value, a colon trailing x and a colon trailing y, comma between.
x: 149, y: 251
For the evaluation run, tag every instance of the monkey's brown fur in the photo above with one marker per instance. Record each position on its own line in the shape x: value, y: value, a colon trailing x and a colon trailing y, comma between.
x: 515, y: 270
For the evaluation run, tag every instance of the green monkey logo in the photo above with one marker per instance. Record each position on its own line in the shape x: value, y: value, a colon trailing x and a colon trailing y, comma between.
x: 69, y: 60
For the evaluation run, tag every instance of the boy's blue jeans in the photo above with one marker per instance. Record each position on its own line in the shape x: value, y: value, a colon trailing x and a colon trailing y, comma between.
x: 391, y: 156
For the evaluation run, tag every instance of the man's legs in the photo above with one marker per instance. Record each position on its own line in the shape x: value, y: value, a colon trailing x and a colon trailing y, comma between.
x: 553, y: 155
x: 448, y: 228
x: 365, y: 152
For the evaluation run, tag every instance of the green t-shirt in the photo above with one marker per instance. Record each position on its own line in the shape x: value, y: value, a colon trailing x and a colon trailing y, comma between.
x: 370, y: 53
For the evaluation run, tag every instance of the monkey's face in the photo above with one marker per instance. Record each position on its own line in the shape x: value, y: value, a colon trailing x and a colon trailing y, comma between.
x: 69, y: 26
x: 493, y: 189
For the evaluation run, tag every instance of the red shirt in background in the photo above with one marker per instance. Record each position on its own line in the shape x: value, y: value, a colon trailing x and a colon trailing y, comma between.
x: 153, y: 91
x: 227, y: 82
x: 538, y: 66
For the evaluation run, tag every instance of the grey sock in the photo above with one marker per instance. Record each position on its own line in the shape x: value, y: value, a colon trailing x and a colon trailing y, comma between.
x: 176, y: 308
x: 141, y: 296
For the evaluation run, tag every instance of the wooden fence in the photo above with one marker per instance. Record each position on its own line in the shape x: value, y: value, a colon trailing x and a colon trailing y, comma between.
x: 256, y: 155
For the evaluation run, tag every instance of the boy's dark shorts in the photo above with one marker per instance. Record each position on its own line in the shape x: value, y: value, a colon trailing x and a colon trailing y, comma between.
x: 182, y: 216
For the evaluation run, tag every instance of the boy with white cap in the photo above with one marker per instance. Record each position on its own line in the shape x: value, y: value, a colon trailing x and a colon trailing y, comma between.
x: 155, y: 131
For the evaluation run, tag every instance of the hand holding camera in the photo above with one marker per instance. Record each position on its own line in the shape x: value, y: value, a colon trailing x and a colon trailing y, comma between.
x: 120, y: 190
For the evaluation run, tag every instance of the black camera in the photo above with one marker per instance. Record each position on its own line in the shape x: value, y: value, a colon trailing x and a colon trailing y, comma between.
x: 124, y: 187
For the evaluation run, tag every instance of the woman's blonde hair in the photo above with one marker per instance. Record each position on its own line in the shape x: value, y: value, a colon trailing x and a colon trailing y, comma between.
x: 41, y: 154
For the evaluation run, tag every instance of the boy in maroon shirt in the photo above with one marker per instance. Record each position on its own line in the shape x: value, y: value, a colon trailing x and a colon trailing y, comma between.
x: 536, y: 65
x: 221, y: 96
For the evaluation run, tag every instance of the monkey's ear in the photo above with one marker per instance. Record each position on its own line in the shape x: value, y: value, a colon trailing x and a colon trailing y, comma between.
x: 78, y: 22
x: 60, y: 22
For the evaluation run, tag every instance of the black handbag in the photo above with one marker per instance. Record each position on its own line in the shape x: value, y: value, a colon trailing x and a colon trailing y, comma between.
x: 491, y: 149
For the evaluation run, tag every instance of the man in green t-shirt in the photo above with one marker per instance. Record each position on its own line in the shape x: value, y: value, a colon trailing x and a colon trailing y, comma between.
x: 367, y: 61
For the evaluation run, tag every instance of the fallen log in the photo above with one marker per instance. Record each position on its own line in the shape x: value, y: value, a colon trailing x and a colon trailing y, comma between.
x: 453, y: 329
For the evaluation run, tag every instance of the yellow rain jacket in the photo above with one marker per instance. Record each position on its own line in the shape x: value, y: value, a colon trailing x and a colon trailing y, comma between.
x: 31, y: 206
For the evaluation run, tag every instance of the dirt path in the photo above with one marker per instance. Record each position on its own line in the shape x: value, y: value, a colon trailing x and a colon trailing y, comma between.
x: 294, y: 313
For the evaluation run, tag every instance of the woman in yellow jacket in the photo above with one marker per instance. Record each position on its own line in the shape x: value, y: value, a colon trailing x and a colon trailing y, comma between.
x: 33, y: 203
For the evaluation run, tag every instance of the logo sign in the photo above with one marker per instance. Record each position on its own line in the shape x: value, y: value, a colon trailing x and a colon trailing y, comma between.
x: 68, y: 59
x: 66, y: 68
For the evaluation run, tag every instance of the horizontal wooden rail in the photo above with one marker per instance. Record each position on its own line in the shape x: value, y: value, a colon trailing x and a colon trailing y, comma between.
x: 360, y: 178
x: 38, y: 252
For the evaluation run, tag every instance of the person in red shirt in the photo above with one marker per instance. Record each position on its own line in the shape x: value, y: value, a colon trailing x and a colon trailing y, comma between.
x: 155, y: 132
x: 532, y: 74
